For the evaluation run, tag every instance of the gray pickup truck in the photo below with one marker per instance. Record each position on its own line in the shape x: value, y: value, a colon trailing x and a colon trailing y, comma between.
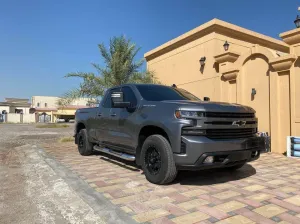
x: 166, y: 129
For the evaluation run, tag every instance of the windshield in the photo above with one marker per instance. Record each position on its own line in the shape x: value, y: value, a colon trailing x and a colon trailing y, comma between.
x: 160, y: 93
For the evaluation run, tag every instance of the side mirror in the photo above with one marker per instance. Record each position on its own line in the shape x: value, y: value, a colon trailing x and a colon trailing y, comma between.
x: 118, y: 100
x: 206, y: 98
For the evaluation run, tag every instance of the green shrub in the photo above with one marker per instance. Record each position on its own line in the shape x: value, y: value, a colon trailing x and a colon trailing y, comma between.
x: 52, y: 126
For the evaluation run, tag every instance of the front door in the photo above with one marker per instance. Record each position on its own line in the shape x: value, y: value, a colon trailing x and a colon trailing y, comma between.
x: 126, y: 121
x: 121, y: 128
x: 103, y: 117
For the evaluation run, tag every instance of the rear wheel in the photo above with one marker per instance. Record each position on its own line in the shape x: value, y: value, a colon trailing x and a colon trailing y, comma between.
x: 85, y: 148
x: 157, y: 160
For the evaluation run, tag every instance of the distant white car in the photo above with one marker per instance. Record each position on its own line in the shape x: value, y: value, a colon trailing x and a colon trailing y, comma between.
x: 60, y: 120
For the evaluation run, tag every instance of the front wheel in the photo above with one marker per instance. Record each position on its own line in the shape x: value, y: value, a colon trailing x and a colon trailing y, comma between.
x: 157, y: 160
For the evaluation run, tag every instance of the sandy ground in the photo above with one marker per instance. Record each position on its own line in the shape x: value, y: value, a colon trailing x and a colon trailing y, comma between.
x: 30, y: 190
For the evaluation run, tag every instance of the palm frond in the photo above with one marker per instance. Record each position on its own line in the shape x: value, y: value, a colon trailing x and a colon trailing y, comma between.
x: 120, y: 67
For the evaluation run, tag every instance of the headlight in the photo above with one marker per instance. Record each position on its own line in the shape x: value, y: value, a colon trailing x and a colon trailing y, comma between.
x: 188, y: 114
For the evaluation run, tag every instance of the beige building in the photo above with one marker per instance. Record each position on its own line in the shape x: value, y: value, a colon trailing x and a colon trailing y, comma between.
x: 15, y: 105
x: 49, y: 111
x: 253, y: 69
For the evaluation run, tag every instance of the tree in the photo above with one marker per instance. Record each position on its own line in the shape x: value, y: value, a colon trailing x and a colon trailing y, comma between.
x: 120, y: 68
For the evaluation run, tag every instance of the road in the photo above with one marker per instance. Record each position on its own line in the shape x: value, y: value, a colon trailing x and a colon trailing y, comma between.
x: 30, y: 190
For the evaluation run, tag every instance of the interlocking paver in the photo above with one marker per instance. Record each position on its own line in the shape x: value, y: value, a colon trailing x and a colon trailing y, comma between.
x: 230, y: 206
x: 194, y: 193
x: 192, y: 204
x: 294, y: 200
x: 289, y: 218
x: 150, y: 215
x: 238, y: 219
x: 266, y: 191
x: 226, y: 194
x: 260, y: 197
x: 255, y: 187
x: 287, y: 189
x: 190, y: 218
x: 270, y: 210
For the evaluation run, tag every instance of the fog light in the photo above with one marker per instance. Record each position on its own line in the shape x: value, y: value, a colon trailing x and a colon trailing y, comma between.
x: 209, y: 159
x: 256, y: 153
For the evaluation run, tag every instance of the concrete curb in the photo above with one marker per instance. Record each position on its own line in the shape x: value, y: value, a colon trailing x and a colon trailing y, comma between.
x: 101, y: 205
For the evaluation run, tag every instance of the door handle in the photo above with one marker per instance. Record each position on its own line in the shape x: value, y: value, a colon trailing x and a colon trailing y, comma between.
x: 113, y: 114
x: 99, y: 114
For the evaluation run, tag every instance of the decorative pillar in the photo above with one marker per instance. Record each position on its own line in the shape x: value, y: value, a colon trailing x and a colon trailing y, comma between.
x: 228, y: 75
x: 292, y: 38
x: 280, y: 101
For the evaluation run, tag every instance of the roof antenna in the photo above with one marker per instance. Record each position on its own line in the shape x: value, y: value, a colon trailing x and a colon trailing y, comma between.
x: 174, y: 86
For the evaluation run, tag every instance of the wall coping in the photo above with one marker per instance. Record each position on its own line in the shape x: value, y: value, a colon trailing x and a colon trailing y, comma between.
x: 228, y: 56
x: 282, y: 63
x: 230, y: 74
x: 291, y: 37
x: 222, y: 27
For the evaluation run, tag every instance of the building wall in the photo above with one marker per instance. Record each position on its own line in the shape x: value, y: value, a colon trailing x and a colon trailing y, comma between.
x: 181, y: 67
x: 6, y: 108
x: 44, y: 101
x: 11, y: 109
x: 232, y: 80
x: 13, y: 118
x: 51, y: 101
x: 29, y: 118
x: 295, y: 92
x: 255, y: 75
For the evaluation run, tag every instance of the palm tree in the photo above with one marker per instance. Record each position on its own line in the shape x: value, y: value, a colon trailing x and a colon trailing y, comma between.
x: 120, y: 68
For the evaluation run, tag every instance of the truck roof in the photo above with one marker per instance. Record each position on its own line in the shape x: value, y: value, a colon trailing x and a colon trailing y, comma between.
x: 136, y: 84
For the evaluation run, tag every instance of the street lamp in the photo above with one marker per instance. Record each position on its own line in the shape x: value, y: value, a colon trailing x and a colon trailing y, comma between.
x: 226, y: 46
x: 202, y: 61
x: 297, y: 21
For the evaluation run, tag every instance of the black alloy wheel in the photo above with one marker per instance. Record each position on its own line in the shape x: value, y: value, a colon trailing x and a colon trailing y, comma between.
x: 153, y: 160
x: 80, y: 142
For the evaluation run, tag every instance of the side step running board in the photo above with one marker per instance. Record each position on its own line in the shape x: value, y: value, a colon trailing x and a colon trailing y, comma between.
x: 114, y: 153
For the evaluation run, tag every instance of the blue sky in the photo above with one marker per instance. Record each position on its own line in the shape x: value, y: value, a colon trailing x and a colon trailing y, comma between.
x: 41, y: 41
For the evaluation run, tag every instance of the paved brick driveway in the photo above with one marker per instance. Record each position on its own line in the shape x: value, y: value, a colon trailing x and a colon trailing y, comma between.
x: 265, y: 191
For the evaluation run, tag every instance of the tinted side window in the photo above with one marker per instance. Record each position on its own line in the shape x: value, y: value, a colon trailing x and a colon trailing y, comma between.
x: 107, y: 102
x: 160, y: 93
x: 129, y: 96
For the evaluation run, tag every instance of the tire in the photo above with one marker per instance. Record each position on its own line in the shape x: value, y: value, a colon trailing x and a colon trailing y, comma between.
x: 163, y: 171
x: 236, y: 167
x: 85, y: 147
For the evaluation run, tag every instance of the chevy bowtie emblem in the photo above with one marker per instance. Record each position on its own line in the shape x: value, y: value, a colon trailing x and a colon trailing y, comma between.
x: 239, y: 123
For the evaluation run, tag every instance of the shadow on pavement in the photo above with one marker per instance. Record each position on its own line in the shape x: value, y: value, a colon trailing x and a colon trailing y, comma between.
x: 216, y: 176
x: 117, y: 161
x: 204, y: 177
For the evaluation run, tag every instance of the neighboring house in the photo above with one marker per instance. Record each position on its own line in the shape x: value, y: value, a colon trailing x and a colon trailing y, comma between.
x: 15, y: 105
x: 49, y: 111
x: 229, y: 63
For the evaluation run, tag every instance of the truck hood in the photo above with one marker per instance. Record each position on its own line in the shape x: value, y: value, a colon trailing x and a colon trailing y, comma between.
x: 211, y: 106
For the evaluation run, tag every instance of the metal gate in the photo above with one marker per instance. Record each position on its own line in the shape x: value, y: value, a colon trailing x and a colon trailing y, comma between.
x: 44, y: 118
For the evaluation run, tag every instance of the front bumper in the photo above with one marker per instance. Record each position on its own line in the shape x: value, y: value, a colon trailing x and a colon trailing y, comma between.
x: 226, y: 152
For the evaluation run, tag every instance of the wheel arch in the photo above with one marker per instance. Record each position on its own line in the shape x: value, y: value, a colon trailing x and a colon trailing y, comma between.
x: 78, y: 128
x: 144, y: 133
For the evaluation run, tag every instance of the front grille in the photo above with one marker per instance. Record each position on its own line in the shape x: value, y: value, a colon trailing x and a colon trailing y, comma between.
x: 229, y: 115
x: 230, y: 133
x: 226, y: 122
